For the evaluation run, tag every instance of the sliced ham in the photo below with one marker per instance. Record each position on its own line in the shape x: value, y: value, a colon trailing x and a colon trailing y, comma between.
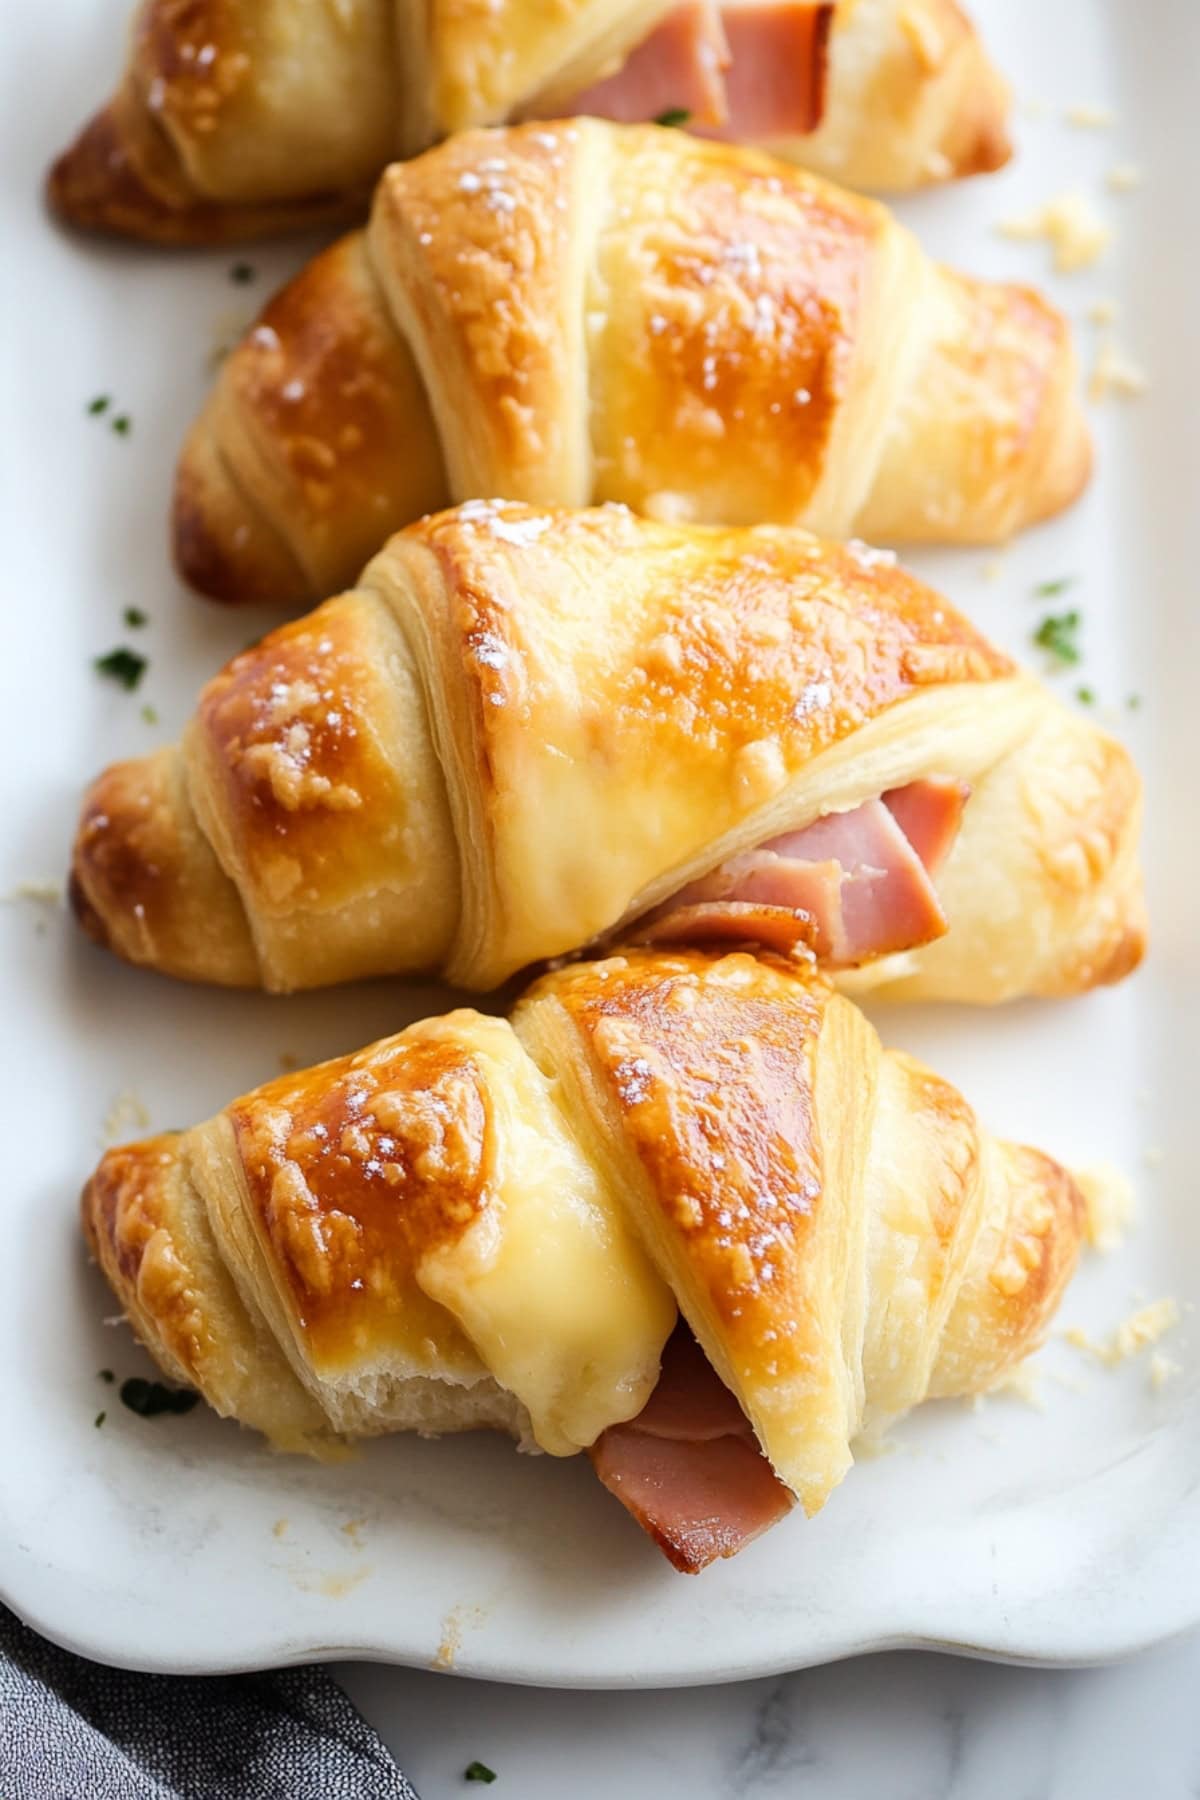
x: 851, y: 886
x: 678, y: 68
x: 750, y: 70
x: 787, y: 931
x: 775, y: 81
x: 688, y: 1467
x: 929, y: 813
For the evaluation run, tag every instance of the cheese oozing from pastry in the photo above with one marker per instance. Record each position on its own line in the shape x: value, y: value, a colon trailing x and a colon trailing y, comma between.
x: 423, y: 1211
x: 549, y: 1282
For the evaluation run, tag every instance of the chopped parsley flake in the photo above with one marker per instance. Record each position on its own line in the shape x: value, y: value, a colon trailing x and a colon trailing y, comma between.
x: 477, y: 1771
x: 135, y: 618
x: 122, y: 424
x: 123, y: 665
x: 148, y: 1398
x: 99, y: 404
x: 1133, y: 702
x: 1058, y: 633
x: 1049, y: 590
x: 674, y: 115
x: 149, y: 715
x: 1086, y: 696
x: 99, y: 1419
x: 242, y: 273
x: 106, y: 1375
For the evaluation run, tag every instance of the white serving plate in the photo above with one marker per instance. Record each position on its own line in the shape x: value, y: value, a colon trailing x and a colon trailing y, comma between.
x: 179, y: 1544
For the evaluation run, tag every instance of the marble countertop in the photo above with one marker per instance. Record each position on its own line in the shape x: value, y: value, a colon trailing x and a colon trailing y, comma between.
x: 898, y: 1727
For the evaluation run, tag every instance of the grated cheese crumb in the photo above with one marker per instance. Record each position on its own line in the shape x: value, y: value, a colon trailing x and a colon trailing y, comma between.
x: 1122, y: 178
x: 1162, y: 1370
x: 1137, y: 1332
x: 1108, y: 1198
x: 1023, y: 1382
x: 1102, y: 312
x: 1114, y: 373
x: 42, y: 893
x: 1089, y: 118
x: 994, y: 568
x: 125, y: 1116
x: 873, y: 1444
x: 1143, y: 1328
x: 1068, y: 223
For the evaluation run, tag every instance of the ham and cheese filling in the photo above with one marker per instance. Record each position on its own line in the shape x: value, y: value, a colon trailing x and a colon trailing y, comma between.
x: 754, y: 69
x: 850, y: 887
x: 689, y: 1468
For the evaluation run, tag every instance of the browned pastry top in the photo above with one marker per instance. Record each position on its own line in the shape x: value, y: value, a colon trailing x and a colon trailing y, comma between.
x: 357, y: 1170
x: 710, y: 1065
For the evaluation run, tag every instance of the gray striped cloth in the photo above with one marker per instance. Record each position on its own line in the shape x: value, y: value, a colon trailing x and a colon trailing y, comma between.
x: 75, y: 1730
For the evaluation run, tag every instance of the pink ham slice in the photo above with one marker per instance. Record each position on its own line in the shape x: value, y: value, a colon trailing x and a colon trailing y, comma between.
x: 775, y: 80
x: 688, y: 1467
x: 678, y: 68
x: 850, y: 886
x: 929, y: 813
x: 755, y: 70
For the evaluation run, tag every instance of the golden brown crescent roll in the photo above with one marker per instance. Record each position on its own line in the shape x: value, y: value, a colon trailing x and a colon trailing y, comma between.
x: 484, y: 1223
x: 238, y: 117
x: 524, y: 731
x: 584, y: 312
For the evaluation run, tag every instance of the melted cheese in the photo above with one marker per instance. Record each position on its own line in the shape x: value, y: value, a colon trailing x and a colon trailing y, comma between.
x: 549, y: 1283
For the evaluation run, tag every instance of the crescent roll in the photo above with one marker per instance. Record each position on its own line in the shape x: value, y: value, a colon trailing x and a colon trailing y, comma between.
x: 239, y: 117
x: 588, y: 312
x: 526, y: 731
x: 483, y: 1223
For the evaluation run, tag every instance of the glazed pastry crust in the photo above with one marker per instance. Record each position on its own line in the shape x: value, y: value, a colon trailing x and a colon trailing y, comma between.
x: 523, y: 730
x: 235, y: 118
x: 580, y: 312
x: 461, y: 1225
x: 794, y: 1184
